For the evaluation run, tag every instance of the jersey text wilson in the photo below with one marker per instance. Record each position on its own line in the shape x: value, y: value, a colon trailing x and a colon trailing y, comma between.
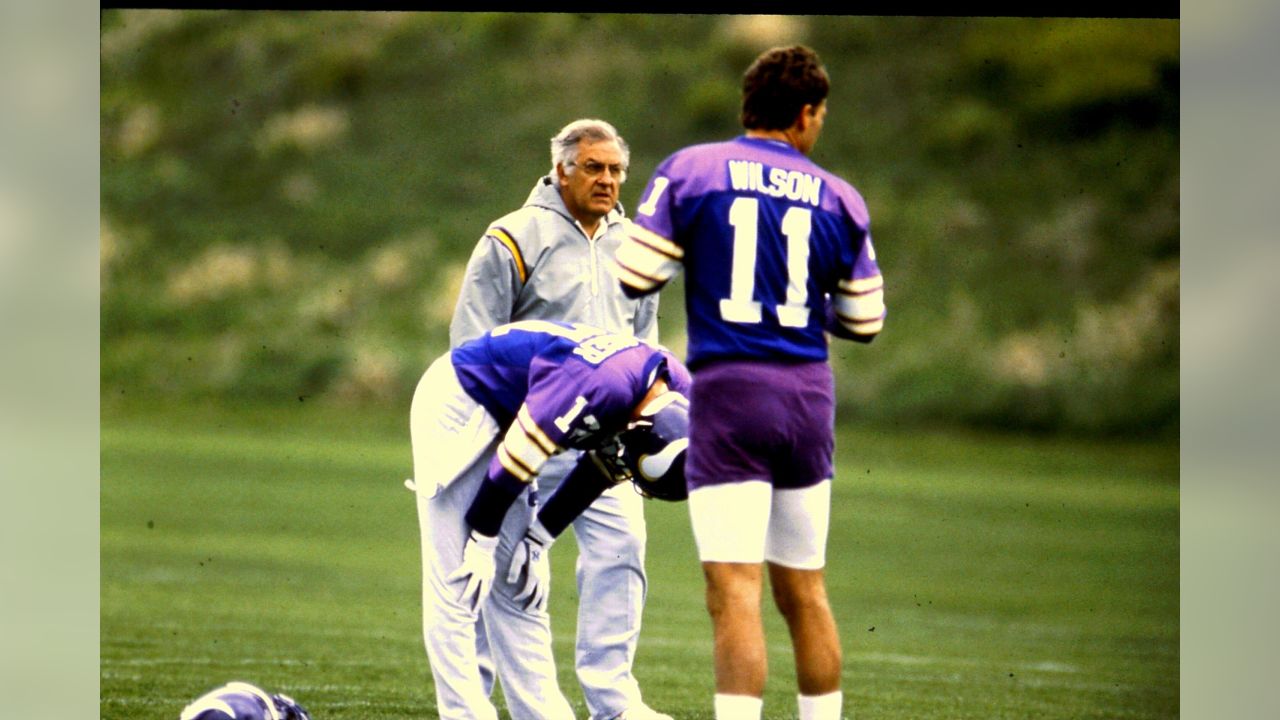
x: 790, y: 184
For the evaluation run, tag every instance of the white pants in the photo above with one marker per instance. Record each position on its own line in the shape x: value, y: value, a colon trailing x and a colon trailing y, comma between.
x: 612, y: 586
x: 453, y: 441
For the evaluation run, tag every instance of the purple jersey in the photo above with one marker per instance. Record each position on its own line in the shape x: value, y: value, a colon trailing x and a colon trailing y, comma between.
x: 557, y: 385
x: 777, y: 250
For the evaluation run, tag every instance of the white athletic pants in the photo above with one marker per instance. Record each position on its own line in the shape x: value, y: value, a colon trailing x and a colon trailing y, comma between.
x: 611, y: 581
x: 453, y: 442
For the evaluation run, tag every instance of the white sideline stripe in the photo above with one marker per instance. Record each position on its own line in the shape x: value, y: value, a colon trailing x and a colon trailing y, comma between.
x: 265, y: 662
x: 133, y: 701
x: 335, y: 632
x: 783, y: 648
x: 899, y: 659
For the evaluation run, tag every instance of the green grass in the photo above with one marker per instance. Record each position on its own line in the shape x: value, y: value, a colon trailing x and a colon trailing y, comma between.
x: 972, y: 576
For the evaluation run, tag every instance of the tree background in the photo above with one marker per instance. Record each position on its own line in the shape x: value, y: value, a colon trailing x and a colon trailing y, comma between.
x: 289, y: 198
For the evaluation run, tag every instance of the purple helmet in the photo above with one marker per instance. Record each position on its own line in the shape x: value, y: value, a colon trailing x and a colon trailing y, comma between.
x: 654, y: 447
x: 243, y: 701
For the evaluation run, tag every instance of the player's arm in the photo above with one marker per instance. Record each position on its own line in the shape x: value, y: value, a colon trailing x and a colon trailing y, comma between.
x: 524, y: 449
x: 587, y: 481
x: 494, y: 276
x: 646, y: 261
x: 856, y: 309
x: 648, y: 258
x: 597, y: 470
x: 644, y: 323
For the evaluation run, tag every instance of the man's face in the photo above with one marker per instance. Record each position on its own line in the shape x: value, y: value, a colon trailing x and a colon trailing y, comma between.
x: 590, y: 188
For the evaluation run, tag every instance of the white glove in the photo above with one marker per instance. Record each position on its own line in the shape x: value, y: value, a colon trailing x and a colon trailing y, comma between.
x: 477, y: 570
x: 530, y: 559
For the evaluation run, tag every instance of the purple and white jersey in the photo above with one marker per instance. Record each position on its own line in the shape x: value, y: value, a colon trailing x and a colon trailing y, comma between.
x: 557, y: 385
x: 777, y: 250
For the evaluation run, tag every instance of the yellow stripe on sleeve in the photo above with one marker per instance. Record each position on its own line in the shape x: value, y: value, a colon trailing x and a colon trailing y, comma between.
x: 513, y: 465
x: 534, y: 432
x: 503, y: 237
x: 525, y: 448
x: 633, y: 278
x: 870, y: 327
x: 861, y: 286
x: 646, y: 260
x: 656, y: 242
x: 861, y: 308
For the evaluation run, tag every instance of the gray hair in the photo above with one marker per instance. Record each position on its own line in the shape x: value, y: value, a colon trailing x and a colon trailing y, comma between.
x: 564, y: 146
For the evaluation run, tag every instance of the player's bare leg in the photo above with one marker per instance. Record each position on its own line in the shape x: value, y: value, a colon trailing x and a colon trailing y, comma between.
x: 731, y: 545
x: 801, y: 596
x: 733, y: 600
x: 797, y: 555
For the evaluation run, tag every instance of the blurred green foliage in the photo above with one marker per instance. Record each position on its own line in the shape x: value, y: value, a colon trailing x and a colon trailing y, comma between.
x: 288, y: 198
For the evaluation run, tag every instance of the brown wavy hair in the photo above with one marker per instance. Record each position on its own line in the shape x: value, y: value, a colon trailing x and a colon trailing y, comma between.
x: 779, y: 83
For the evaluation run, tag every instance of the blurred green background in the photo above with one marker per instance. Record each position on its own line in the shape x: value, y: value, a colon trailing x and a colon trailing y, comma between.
x: 288, y: 198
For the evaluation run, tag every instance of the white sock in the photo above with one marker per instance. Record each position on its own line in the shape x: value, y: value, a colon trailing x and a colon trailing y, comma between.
x: 738, y: 707
x: 820, y: 707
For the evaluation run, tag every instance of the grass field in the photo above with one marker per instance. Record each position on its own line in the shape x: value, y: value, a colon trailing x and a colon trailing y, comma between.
x: 972, y: 576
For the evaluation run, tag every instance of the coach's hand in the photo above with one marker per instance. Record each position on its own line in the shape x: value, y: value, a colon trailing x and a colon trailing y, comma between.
x: 477, y: 570
x: 530, y: 561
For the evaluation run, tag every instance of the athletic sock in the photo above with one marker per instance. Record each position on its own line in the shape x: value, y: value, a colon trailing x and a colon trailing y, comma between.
x: 820, y: 707
x: 738, y: 707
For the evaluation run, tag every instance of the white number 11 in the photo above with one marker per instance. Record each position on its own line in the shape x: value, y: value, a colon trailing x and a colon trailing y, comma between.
x: 740, y: 307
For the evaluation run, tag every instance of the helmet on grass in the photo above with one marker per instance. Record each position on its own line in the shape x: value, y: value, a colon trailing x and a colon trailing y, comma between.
x: 243, y: 701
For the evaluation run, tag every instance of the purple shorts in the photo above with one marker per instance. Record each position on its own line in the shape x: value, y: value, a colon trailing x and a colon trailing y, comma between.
x: 761, y: 421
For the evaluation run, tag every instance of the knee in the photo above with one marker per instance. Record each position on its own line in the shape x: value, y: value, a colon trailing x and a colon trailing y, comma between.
x: 727, y: 595
x: 631, y: 544
x: 799, y: 603
x: 442, y: 612
x: 619, y: 548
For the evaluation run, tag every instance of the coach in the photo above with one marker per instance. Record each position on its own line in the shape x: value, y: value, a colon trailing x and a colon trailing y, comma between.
x: 551, y: 260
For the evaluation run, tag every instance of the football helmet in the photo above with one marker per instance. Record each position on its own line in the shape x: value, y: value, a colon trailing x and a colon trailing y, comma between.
x: 654, y: 447
x: 243, y: 701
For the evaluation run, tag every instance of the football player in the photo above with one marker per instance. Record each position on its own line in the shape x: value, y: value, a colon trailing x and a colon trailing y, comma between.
x: 484, y: 420
x: 779, y: 253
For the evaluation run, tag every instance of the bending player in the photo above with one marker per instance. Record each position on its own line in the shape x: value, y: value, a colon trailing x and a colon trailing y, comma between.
x: 485, y: 419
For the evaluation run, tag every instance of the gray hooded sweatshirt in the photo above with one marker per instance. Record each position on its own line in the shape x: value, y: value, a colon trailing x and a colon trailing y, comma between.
x: 537, y: 264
